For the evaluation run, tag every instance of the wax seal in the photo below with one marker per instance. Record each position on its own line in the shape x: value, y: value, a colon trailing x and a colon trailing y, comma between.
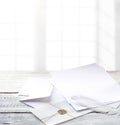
x: 62, y: 111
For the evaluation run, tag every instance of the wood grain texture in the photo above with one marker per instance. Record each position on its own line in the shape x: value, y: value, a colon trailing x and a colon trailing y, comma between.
x: 18, y: 119
x: 13, y: 112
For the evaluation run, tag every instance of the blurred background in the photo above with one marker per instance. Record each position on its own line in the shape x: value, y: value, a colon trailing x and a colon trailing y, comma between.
x: 46, y: 35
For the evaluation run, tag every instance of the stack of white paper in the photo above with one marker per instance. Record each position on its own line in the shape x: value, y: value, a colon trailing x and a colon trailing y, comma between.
x: 54, y: 110
x: 84, y: 87
x: 48, y: 104
x: 51, y: 108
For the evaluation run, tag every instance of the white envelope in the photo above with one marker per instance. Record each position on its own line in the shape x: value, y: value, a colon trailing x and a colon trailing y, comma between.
x: 54, y: 110
x: 35, y: 88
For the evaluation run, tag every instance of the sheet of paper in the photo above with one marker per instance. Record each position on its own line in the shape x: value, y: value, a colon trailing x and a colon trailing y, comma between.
x: 90, y: 81
x: 35, y: 88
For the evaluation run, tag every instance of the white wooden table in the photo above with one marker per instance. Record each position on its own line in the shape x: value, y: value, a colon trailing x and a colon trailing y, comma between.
x: 12, y: 112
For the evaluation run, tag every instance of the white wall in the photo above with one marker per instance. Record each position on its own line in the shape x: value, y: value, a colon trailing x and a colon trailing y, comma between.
x: 117, y: 36
x: 109, y: 34
x: 106, y: 55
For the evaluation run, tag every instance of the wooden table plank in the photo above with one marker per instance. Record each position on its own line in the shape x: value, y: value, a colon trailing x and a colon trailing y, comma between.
x: 19, y: 119
x: 13, y: 112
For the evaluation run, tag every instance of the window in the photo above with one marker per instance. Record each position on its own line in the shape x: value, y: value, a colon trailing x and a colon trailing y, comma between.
x: 19, y: 28
x: 71, y: 33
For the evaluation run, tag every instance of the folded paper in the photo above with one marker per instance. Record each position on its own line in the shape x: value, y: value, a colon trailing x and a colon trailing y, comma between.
x: 90, y: 81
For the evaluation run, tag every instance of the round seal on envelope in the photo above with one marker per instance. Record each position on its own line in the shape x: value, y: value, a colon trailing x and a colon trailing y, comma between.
x: 62, y: 111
